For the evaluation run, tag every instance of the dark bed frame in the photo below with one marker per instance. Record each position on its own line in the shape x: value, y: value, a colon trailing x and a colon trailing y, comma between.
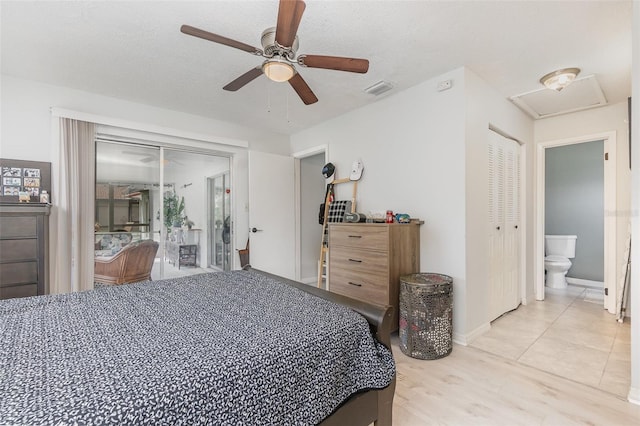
x: 364, y: 408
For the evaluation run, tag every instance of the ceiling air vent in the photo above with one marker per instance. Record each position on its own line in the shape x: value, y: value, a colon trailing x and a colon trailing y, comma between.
x: 379, y: 88
x: 582, y: 94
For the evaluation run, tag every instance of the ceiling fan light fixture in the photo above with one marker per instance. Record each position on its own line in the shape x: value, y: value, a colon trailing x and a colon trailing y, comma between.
x: 278, y: 70
x: 558, y: 80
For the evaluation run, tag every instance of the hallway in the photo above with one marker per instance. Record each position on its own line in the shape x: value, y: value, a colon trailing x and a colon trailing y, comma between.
x: 569, y: 335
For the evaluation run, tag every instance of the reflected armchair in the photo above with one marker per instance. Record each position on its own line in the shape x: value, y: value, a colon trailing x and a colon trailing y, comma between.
x: 131, y: 264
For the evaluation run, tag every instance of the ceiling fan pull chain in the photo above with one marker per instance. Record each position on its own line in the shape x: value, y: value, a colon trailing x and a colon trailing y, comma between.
x: 287, y: 94
x: 268, y: 98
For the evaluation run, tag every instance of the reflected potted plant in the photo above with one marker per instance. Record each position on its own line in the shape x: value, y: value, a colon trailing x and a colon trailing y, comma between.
x: 173, y: 211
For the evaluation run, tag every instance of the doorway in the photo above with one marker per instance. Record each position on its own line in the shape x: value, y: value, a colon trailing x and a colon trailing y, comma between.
x: 609, y: 202
x: 149, y: 191
x: 310, y: 190
x: 219, y: 193
x: 574, y: 205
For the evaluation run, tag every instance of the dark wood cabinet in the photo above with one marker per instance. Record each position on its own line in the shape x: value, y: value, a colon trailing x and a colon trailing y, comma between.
x: 24, y: 248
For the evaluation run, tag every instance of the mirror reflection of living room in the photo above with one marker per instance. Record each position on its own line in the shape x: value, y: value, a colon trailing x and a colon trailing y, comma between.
x: 188, y: 218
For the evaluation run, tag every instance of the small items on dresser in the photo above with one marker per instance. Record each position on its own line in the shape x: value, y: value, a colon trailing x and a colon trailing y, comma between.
x: 403, y: 218
x: 389, y: 218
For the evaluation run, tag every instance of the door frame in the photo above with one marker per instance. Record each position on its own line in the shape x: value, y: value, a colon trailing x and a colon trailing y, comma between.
x: 210, y: 240
x: 610, y: 219
x: 297, y: 156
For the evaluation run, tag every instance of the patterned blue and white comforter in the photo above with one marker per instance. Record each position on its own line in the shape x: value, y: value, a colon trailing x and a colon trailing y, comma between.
x: 233, y: 348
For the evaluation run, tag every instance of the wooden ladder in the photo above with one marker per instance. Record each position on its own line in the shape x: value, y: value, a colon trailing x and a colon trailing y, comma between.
x: 324, y: 249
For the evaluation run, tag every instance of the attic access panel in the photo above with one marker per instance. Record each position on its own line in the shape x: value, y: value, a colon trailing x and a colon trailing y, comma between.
x: 582, y: 94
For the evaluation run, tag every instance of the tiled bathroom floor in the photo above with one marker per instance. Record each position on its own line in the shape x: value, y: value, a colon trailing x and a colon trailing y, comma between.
x: 568, y: 334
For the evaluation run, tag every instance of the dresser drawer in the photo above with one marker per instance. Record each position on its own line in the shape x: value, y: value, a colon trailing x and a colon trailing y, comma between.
x: 23, y: 249
x: 18, y: 227
x: 360, y: 261
x: 18, y: 273
x: 13, y: 250
x: 25, y: 290
x: 370, y: 288
x: 359, y: 236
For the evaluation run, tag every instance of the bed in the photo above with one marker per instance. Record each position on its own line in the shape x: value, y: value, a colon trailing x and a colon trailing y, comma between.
x: 233, y: 348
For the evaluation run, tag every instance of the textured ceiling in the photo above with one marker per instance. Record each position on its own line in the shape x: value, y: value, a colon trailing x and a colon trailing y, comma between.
x: 135, y: 50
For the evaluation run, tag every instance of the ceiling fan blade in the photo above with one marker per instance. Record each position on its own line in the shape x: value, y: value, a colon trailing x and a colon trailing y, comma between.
x: 196, y: 32
x: 302, y: 89
x: 289, y: 16
x: 245, y: 78
x: 334, y: 63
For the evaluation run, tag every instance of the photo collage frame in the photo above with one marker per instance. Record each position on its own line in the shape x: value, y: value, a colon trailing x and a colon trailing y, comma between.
x: 25, y: 181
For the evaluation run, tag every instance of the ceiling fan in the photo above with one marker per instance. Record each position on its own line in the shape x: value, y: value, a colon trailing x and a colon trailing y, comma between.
x: 279, y: 47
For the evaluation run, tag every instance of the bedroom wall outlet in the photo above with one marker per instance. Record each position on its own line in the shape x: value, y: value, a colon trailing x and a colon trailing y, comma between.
x: 444, y: 85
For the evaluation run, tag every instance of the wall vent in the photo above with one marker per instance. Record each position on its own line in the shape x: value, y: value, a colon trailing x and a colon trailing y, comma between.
x: 379, y: 88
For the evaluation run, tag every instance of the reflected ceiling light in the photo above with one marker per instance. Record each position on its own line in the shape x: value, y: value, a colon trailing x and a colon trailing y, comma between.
x: 277, y: 69
x: 560, y: 79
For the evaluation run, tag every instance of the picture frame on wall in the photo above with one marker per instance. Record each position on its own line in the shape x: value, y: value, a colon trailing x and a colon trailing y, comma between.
x: 11, y: 181
x: 11, y: 171
x: 24, y: 181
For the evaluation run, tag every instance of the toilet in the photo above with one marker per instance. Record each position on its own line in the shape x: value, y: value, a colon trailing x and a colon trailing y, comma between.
x: 558, y: 250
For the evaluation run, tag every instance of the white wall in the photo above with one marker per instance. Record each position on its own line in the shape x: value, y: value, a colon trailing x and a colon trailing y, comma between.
x: 412, y: 148
x: 26, y: 127
x: 634, y: 392
x: 485, y: 107
x: 413, y: 145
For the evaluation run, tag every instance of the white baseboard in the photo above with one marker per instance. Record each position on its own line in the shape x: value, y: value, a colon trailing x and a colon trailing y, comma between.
x: 466, y: 339
x: 585, y: 283
x: 634, y: 396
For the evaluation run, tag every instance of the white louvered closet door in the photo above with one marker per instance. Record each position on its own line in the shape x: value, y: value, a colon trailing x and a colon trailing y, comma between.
x: 504, y: 224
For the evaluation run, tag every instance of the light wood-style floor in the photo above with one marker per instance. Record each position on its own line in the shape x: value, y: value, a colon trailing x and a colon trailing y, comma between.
x: 474, y: 386
x: 571, y: 335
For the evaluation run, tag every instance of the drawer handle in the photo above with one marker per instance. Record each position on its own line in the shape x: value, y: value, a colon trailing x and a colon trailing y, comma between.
x: 355, y: 236
x: 356, y: 284
x: 355, y: 260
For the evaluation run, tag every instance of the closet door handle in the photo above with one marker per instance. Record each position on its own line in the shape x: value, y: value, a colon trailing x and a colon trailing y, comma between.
x: 355, y: 260
x: 355, y: 236
x: 356, y: 284
x: 516, y: 227
x: 498, y: 228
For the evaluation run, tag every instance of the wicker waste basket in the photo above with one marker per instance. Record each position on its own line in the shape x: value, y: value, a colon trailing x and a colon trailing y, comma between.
x: 426, y: 315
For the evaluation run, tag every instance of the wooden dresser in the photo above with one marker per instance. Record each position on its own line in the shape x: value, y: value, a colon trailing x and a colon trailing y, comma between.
x: 24, y: 241
x: 366, y: 260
